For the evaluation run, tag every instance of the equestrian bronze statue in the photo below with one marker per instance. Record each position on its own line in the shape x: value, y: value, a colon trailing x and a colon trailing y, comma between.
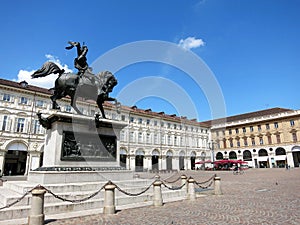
x: 84, y: 84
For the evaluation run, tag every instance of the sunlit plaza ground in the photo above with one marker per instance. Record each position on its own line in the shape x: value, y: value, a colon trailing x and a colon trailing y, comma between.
x: 259, y: 196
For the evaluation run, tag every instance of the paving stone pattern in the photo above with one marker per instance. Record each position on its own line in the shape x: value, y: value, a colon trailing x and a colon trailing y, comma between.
x: 259, y: 196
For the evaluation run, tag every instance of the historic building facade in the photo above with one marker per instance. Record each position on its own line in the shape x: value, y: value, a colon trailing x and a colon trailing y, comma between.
x: 157, y: 141
x: 151, y: 141
x: 265, y: 139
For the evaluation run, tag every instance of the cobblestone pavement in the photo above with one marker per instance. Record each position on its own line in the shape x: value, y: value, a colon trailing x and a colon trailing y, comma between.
x: 259, y: 196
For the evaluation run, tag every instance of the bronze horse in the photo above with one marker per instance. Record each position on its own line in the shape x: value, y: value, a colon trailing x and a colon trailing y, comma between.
x: 86, y: 86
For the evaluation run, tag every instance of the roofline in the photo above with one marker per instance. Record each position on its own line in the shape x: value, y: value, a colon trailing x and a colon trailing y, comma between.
x: 134, y: 109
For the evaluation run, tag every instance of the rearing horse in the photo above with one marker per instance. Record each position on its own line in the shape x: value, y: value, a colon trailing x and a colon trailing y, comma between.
x: 87, y: 86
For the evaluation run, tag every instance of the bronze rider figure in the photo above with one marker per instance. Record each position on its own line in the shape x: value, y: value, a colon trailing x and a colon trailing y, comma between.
x: 81, y: 61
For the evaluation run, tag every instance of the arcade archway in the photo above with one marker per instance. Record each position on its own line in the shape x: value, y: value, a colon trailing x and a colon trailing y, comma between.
x: 15, y: 159
x: 193, y: 159
x: 280, y: 157
x: 155, y: 157
x: 169, y: 160
x: 219, y: 156
x: 123, y: 157
x: 139, y: 161
x: 296, y: 155
x: 232, y: 155
x: 181, y: 160
x: 263, y: 158
x: 247, y: 156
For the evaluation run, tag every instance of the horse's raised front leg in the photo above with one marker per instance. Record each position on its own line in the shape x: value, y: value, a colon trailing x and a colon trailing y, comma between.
x: 100, y: 101
x: 73, y: 104
x: 54, y: 103
x: 117, y: 104
x: 110, y: 99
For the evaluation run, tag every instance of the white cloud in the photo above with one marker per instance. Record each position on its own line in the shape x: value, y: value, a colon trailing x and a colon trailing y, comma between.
x: 191, y: 42
x: 45, y: 82
x: 201, y: 2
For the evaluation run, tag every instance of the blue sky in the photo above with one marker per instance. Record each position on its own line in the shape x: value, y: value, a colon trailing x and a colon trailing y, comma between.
x: 251, y: 47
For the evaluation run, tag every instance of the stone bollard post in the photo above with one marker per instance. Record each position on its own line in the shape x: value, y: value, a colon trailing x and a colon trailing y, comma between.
x: 183, y: 181
x: 217, y: 181
x: 37, y: 216
x: 191, y: 189
x: 157, y: 196
x: 109, y: 198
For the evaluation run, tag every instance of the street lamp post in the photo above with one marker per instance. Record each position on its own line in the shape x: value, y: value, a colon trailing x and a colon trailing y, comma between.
x: 129, y: 133
x: 160, y: 141
x: 212, y: 148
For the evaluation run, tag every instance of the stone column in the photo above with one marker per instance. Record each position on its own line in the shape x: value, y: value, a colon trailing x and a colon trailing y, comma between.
x: 289, y: 158
x: 109, y: 199
x: 118, y: 148
x: 157, y: 196
x: 191, y: 189
x: 175, y: 163
x: 163, y: 162
x: 132, y: 162
x: 35, y: 160
x: 184, y: 181
x: 37, y: 215
x: 188, y: 163
x: 28, y: 162
x: 217, y: 181
x: 148, y: 162
x: 128, y: 161
x: 270, y: 161
x: 2, y: 161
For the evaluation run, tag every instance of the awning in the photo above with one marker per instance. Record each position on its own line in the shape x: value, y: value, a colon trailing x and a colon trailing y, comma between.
x: 203, y: 162
x: 225, y: 161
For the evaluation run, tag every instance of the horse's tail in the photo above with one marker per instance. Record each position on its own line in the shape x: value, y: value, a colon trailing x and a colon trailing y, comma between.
x: 47, y: 68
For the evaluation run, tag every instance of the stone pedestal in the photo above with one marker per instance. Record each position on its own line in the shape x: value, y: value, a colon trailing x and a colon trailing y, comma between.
x: 157, y: 195
x: 191, y: 189
x: 184, y: 181
x: 77, y: 148
x: 109, y: 199
x: 217, y: 181
x: 37, y: 215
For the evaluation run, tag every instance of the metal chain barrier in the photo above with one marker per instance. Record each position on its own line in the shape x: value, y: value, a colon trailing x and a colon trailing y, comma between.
x: 172, y: 175
x: 75, y: 200
x: 20, y: 199
x: 117, y: 187
x: 135, y: 194
x: 173, y: 188
x: 207, y: 180
x: 204, y: 182
x: 171, y: 182
x: 204, y: 187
